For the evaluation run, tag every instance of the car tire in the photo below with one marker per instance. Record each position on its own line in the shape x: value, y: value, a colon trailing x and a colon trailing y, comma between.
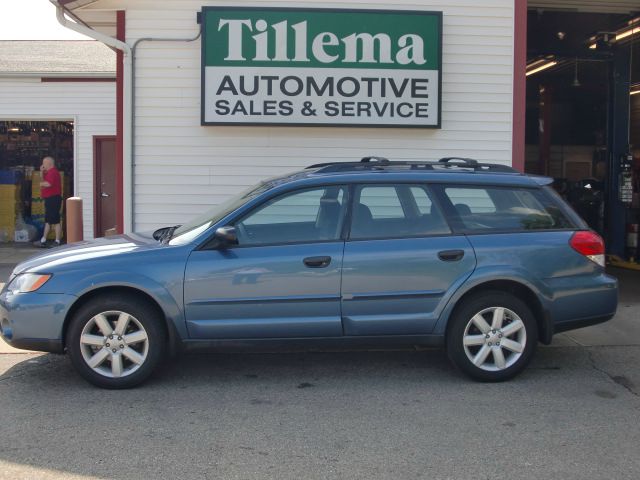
x: 116, y: 341
x: 492, y: 336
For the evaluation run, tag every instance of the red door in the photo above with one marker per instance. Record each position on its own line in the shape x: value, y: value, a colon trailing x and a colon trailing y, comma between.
x: 104, y: 184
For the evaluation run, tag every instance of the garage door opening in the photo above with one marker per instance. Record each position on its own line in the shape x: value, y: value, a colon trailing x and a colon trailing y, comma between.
x: 583, y: 116
x: 23, y: 144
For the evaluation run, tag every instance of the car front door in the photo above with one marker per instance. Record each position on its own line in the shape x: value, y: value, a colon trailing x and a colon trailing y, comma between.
x: 401, y: 262
x: 281, y: 280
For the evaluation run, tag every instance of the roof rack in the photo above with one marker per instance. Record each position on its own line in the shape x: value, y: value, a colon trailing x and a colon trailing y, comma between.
x: 460, y: 164
x: 466, y: 161
x: 374, y: 159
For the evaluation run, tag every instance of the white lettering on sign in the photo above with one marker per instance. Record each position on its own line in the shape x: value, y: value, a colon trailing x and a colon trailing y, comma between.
x: 374, y: 48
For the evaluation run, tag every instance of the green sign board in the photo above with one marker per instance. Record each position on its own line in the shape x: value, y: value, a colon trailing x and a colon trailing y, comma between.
x: 321, y: 67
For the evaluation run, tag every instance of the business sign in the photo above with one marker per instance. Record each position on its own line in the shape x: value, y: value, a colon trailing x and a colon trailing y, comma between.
x: 278, y: 66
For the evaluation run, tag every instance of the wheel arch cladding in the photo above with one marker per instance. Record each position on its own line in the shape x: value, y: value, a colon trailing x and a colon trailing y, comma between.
x: 139, y: 295
x: 519, y: 290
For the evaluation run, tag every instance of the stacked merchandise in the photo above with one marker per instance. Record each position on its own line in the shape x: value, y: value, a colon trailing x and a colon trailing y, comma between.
x: 37, y: 202
x: 10, y: 205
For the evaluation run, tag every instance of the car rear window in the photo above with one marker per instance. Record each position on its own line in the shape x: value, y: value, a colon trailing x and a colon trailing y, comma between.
x: 506, y: 209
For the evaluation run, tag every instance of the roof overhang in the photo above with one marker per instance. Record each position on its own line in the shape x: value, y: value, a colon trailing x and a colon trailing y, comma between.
x: 626, y: 7
x: 71, y: 4
x: 102, y: 20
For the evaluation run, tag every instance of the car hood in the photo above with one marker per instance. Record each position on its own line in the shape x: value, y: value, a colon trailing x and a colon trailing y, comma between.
x: 87, y: 250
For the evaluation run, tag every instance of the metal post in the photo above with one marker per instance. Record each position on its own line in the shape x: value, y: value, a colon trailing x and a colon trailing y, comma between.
x: 618, y: 140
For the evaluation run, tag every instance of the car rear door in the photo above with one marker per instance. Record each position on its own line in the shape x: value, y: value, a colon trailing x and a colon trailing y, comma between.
x: 401, y: 261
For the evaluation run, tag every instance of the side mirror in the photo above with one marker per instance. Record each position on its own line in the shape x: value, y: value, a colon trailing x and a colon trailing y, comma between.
x: 227, y: 235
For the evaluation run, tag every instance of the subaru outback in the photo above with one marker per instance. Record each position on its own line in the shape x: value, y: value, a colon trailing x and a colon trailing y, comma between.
x: 475, y: 257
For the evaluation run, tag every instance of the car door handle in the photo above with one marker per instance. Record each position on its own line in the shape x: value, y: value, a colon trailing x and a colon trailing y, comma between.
x: 317, y: 262
x: 451, y: 255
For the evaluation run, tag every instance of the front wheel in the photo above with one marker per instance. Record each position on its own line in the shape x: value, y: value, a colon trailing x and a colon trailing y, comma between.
x: 116, y: 341
x: 492, y: 336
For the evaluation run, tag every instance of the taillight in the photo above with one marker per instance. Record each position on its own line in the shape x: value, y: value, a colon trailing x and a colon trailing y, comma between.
x: 589, y: 244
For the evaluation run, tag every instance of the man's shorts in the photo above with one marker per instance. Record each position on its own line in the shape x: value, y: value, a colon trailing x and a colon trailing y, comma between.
x: 52, y: 209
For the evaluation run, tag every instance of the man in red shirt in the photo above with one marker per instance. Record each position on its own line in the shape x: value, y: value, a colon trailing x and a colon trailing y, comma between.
x: 51, y: 191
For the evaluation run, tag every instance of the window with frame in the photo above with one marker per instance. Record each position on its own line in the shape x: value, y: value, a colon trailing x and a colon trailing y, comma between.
x: 382, y: 202
x: 506, y: 209
x: 395, y: 211
x: 309, y: 215
x: 471, y: 200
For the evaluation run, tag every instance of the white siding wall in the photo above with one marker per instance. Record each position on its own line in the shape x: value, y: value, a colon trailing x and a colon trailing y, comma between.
x: 182, y: 168
x: 91, y: 105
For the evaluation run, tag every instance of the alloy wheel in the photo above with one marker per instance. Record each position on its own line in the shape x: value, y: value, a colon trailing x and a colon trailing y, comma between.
x: 114, y: 344
x: 494, y: 339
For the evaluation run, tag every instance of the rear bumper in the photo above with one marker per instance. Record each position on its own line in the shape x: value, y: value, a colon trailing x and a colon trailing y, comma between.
x: 33, y: 321
x: 583, y: 301
x: 581, y: 323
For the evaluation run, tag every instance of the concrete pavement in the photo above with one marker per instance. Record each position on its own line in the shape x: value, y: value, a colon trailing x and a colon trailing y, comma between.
x: 11, y: 255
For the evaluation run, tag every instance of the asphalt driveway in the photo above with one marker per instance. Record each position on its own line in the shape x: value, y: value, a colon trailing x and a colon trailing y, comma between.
x: 573, y: 414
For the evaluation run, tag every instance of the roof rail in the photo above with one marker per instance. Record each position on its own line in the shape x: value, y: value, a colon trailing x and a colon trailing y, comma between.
x: 365, y: 160
x: 467, y: 161
x: 444, y: 164
x: 374, y: 159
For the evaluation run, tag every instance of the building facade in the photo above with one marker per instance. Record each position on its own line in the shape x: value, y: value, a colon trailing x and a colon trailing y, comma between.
x: 178, y: 167
x: 211, y: 95
x: 56, y: 97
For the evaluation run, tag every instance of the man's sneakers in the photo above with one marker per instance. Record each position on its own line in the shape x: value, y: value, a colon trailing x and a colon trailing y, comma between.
x: 41, y: 244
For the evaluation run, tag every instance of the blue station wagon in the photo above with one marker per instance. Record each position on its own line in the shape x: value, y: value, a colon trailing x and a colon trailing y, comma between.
x: 475, y: 257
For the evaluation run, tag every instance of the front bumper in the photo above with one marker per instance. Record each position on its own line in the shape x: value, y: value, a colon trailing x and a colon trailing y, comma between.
x: 34, y: 321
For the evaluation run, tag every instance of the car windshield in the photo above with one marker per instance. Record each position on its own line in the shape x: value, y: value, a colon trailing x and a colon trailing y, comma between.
x: 187, y: 232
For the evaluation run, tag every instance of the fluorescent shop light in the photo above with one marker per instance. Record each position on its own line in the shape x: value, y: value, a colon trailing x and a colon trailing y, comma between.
x: 633, y: 28
x: 627, y: 33
x: 541, y: 67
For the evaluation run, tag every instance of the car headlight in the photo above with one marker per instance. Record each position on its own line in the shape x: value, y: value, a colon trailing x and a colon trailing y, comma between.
x: 27, y: 282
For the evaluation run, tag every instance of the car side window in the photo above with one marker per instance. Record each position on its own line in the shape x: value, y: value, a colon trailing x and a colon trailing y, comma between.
x: 395, y: 211
x: 471, y: 200
x: 505, y: 209
x: 309, y: 215
x: 382, y: 202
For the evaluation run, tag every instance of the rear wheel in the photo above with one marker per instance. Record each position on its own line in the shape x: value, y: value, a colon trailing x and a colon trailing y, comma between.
x: 492, y: 336
x: 116, y: 341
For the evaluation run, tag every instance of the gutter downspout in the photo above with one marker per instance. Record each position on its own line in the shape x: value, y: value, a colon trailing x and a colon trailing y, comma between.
x: 133, y: 101
x: 127, y: 100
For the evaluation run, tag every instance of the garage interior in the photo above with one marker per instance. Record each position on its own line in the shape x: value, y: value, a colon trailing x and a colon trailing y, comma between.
x: 583, y: 116
x: 23, y: 144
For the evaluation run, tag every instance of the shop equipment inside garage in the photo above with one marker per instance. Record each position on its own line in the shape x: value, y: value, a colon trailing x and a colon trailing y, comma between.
x: 23, y: 144
x: 583, y: 118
